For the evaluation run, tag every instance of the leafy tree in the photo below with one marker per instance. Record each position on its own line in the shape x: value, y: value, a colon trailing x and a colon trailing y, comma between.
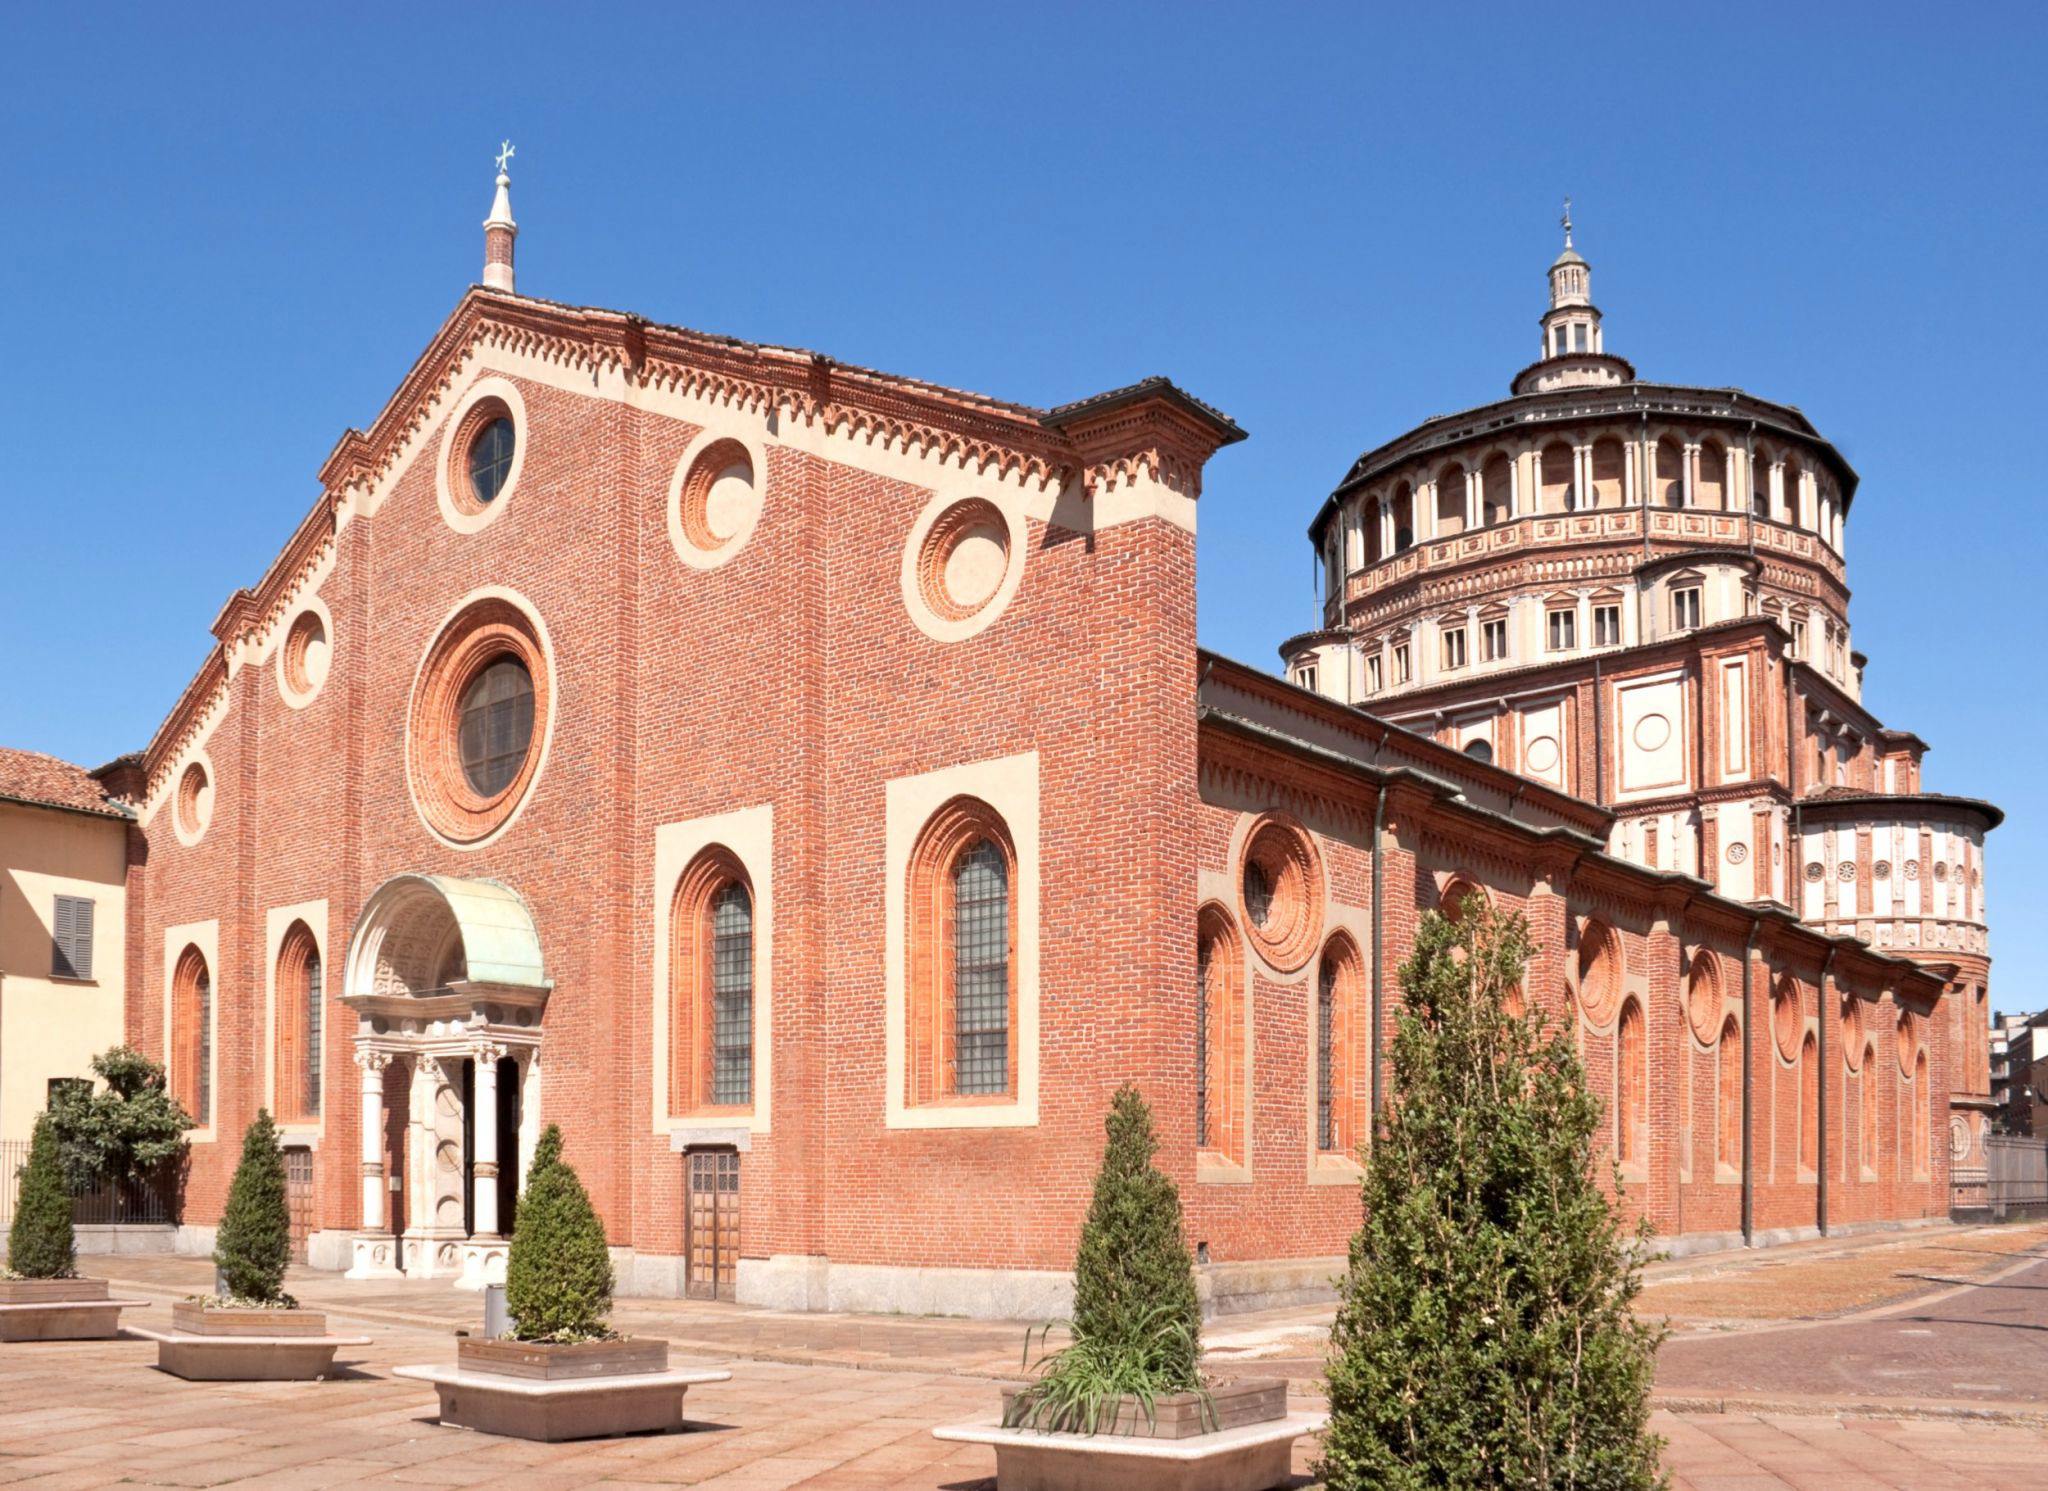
x: 255, y: 1241
x: 558, y: 1275
x: 39, y: 1244
x: 128, y: 1132
x: 1484, y: 1336
x: 1137, y: 1326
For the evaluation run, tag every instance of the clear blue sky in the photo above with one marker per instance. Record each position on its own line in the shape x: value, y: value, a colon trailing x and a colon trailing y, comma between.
x: 223, y: 239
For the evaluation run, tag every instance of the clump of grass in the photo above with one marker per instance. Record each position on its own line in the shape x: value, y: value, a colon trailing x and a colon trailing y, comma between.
x: 1080, y: 1388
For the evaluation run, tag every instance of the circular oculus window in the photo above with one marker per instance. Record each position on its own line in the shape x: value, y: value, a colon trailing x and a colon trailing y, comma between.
x: 303, y: 659
x: 194, y: 807
x: 483, y: 450
x: 479, y: 720
x: 1852, y: 1032
x: 1599, y: 974
x: 1280, y: 884
x: 961, y: 566
x: 1704, y: 1002
x: 1909, y: 1042
x: 1786, y: 1022
x: 714, y: 499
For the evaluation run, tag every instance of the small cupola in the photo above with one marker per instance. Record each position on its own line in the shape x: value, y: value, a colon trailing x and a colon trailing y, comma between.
x: 1573, y: 352
x: 500, y: 230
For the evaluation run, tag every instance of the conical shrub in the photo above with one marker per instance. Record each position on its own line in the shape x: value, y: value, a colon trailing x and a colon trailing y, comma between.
x: 255, y: 1241
x: 558, y: 1275
x: 1484, y: 1336
x: 40, y: 1244
x: 1137, y: 1326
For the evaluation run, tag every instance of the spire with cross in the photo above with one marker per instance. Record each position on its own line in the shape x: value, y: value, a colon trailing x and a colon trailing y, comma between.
x: 499, y: 229
x: 1564, y: 222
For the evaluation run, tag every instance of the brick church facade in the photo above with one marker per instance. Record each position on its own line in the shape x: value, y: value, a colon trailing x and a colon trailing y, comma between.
x: 803, y: 784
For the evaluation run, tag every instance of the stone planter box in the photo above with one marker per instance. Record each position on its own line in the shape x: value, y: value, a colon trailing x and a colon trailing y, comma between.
x: 544, y: 1361
x: 555, y: 1408
x: 60, y: 1310
x: 1251, y: 1450
x: 197, y: 1318
x: 1258, y: 1400
x: 230, y: 1345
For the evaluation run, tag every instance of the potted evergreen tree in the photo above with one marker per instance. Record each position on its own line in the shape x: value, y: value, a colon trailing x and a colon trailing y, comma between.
x: 1484, y: 1336
x: 41, y: 1296
x: 563, y: 1372
x: 1124, y: 1402
x: 251, y: 1329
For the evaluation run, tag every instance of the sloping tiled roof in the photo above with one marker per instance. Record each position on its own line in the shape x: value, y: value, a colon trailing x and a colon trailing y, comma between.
x: 44, y: 781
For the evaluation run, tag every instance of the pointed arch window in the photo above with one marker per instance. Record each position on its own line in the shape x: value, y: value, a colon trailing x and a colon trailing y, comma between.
x: 962, y: 906
x: 1219, y: 1036
x: 1728, y: 1146
x: 298, y: 1026
x: 1809, y: 1104
x: 1338, y: 1119
x: 192, y: 1035
x: 1631, y: 1088
x: 711, y: 976
x: 1871, y: 1127
x: 1920, y: 1120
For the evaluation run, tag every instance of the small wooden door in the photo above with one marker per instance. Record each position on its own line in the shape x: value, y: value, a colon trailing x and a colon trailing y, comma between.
x: 712, y: 1241
x: 298, y: 1196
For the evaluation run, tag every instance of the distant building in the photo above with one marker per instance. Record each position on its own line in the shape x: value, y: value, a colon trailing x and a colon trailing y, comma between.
x: 2019, y: 1074
x: 64, y: 857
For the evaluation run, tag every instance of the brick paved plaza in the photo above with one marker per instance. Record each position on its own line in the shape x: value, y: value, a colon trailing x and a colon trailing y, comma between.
x: 1941, y: 1390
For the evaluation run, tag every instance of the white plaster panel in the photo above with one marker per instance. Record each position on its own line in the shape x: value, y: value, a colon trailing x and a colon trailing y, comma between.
x: 1543, y: 742
x: 1650, y: 719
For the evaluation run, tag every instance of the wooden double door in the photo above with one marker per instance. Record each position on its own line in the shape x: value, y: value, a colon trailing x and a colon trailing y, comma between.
x: 711, y: 1222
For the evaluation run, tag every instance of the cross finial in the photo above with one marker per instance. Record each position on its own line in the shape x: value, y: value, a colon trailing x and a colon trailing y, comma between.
x: 1566, y: 222
x: 506, y: 152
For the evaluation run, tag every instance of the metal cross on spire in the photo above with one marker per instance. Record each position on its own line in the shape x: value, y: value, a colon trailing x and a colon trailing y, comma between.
x: 506, y: 152
x: 1566, y: 222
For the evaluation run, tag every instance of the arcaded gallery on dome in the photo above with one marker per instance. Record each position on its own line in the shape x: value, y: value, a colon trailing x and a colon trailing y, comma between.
x: 714, y: 748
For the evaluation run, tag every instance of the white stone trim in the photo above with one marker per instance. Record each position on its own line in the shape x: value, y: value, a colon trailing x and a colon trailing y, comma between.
x: 727, y: 428
x: 1008, y: 784
x: 276, y: 922
x: 749, y: 835
x: 1017, y: 538
x: 452, y: 512
x: 206, y: 937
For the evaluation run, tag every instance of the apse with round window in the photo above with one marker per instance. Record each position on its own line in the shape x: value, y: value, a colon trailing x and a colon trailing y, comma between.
x: 479, y: 711
x: 1281, y: 886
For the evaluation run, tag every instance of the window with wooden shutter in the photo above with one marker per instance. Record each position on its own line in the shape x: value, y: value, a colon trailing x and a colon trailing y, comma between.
x: 71, y: 946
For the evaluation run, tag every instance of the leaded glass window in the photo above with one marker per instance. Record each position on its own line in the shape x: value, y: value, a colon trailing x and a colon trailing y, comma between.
x: 1258, y: 893
x: 497, y: 725
x: 313, y: 1019
x: 732, y: 996
x: 981, y: 970
x: 490, y: 460
x: 203, y: 990
x: 1326, y: 1020
x: 1202, y: 950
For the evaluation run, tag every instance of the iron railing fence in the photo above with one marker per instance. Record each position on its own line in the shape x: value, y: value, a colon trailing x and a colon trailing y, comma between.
x: 145, y: 1203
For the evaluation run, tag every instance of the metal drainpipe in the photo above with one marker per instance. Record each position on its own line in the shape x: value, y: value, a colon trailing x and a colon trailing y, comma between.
x: 1379, y: 822
x: 1820, y: 1117
x: 1748, y: 1092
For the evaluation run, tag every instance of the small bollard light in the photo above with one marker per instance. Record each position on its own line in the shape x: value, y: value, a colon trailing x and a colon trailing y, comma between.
x: 497, y: 1318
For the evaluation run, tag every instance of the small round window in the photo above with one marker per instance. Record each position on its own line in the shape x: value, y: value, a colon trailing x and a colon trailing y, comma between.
x: 496, y: 728
x: 195, y: 801
x: 490, y: 460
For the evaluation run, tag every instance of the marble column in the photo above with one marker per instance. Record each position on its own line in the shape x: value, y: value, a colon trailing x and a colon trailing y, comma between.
x: 373, y: 1064
x: 484, y: 1126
